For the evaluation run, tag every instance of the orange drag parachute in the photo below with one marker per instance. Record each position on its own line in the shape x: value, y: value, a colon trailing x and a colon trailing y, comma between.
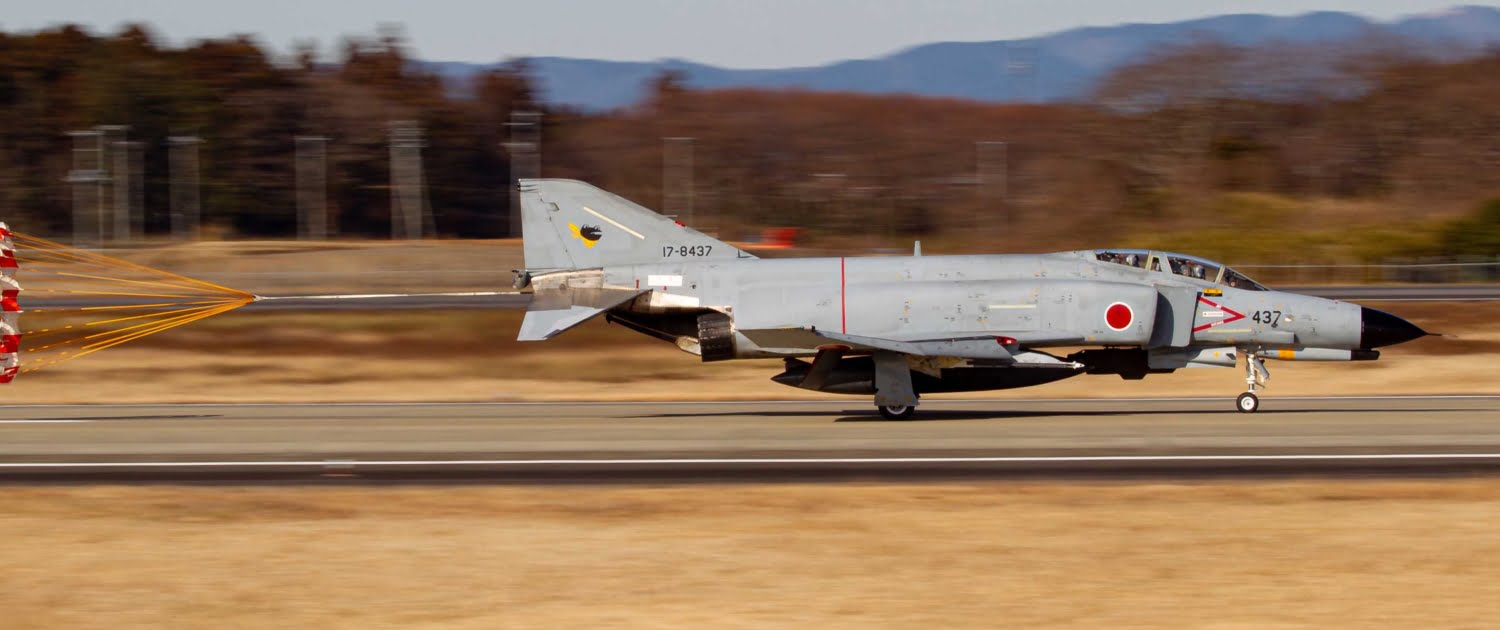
x: 81, y: 302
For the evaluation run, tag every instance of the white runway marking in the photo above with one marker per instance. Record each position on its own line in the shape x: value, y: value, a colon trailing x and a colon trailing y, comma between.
x: 1081, y: 459
x: 43, y: 421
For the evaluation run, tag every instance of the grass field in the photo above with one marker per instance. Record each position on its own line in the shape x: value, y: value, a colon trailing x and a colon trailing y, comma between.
x: 1232, y: 555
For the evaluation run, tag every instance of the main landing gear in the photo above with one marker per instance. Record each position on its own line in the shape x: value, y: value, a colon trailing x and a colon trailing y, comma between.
x: 1256, y: 376
x: 894, y: 395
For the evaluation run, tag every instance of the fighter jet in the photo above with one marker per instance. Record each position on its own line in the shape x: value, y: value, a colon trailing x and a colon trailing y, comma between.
x: 898, y: 327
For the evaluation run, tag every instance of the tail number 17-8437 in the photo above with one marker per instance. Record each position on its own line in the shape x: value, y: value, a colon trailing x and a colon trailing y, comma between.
x: 686, y: 251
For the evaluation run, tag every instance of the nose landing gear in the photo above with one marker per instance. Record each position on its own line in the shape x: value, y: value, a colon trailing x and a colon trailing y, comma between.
x: 1256, y: 376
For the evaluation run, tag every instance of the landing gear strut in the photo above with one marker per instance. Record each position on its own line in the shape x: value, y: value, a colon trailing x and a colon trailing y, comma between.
x: 894, y: 394
x: 1256, y: 376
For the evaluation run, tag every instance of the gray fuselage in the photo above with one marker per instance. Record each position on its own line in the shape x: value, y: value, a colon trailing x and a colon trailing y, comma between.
x: 1046, y: 300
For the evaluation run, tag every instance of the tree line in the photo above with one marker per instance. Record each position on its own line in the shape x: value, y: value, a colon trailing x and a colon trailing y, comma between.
x: 1198, y: 135
x: 247, y: 109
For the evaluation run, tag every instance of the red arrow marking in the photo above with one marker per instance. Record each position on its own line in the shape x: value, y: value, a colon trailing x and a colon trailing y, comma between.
x: 1231, y: 315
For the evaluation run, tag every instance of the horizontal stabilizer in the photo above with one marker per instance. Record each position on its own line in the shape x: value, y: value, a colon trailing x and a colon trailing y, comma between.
x: 554, y: 311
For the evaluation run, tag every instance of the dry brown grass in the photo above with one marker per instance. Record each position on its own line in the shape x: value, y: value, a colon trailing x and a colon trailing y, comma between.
x: 283, y: 267
x: 1233, y: 555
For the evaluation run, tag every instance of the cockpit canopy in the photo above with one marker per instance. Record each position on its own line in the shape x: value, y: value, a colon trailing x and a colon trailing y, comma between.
x: 1180, y: 264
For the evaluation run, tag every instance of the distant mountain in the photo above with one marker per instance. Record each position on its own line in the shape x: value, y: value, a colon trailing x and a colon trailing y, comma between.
x: 1056, y: 67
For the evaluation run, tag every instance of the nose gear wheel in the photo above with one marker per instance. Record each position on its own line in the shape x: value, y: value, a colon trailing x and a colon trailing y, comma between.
x: 1247, y: 402
x: 1256, y: 376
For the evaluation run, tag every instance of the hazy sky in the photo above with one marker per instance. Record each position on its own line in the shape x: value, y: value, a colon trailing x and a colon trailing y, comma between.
x: 736, y: 33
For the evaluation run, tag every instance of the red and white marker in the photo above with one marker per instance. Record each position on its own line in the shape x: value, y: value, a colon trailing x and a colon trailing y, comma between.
x: 1224, y: 313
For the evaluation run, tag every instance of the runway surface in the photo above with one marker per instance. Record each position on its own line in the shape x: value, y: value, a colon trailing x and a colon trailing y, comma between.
x: 748, y: 441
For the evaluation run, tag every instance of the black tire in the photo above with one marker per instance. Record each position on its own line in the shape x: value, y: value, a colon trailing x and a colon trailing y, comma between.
x: 897, y: 412
x: 1247, y: 403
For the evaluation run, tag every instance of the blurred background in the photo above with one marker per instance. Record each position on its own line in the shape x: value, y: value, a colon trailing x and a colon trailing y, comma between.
x: 1344, y: 141
x: 332, y: 146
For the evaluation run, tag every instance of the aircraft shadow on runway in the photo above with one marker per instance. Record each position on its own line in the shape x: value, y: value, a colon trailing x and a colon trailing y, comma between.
x: 934, y: 416
x: 852, y: 415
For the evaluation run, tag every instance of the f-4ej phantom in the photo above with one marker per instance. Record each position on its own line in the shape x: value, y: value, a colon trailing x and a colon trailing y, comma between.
x: 900, y: 327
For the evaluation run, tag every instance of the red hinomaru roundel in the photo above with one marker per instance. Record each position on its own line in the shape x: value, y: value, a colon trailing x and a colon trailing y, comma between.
x: 1119, y: 316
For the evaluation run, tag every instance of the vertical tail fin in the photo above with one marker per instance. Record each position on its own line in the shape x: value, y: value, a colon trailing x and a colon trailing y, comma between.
x: 568, y: 224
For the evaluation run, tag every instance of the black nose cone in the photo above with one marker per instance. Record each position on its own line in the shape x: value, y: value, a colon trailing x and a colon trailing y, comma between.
x: 1384, y: 329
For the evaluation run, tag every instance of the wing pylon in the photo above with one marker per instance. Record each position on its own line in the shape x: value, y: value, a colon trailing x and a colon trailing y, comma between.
x: 986, y: 346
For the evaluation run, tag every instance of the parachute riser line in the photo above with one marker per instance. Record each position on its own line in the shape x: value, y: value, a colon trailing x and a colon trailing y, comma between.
x: 76, y: 331
x: 377, y: 296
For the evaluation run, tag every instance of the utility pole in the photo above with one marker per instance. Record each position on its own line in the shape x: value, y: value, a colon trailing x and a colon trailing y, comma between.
x: 116, y: 165
x: 88, y: 179
x: 120, y: 181
x: 677, y: 179
x: 992, y: 177
x: 525, y: 150
x: 312, y: 188
x: 408, y: 199
x: 186, y: 209
x: 137, y: 203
